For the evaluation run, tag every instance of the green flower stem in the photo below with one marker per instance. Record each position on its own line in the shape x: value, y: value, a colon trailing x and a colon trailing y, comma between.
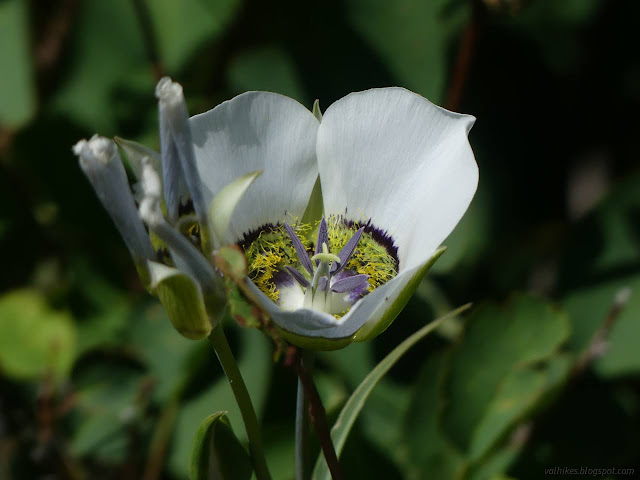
x: 302, y: 423
x: 230, y: 367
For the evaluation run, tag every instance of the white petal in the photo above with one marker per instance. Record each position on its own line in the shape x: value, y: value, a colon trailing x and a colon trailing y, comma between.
x: 392, y: 156
x: 101, y: 163
x: 258, y: 131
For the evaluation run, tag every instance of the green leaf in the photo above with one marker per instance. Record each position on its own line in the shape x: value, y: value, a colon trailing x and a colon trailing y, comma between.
x: 268, y: 69
x: 589, y: 308
x: 225, y: 202
x: 427, y: 451
x: 395, y: 29
x: 217, y: 453
x: 108, y: 398
x: 354, y: 405
x: 170, y: 359
x: 108, y: 66
x: 35, y: 340
x: 471, y: 236
x: 182, y: 28
x: 518, y: 394
x: 17, y: 97
x: 182, y: 298
x: 497, y: 341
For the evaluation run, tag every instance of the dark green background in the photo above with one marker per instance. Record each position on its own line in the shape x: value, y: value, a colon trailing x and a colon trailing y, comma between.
x: 89, y: 363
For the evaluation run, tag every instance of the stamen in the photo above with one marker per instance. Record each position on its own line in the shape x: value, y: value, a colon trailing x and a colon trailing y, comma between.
x: 350, y: 283
x: 303, y: 256
x: 347, y: 251
x: 298, y: 277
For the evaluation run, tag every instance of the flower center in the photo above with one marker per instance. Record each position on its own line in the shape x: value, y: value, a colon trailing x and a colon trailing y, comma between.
x: 327, y: 267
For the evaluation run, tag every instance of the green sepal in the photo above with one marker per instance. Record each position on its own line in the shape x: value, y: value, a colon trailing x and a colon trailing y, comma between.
x: 225, y: 202
x: 314, y: 343
x: 316, y: 110
x: 217, y: 454
x: 182, y: 298
x: 315, y: 206
x: 134, y: 152
x: 369, y: 331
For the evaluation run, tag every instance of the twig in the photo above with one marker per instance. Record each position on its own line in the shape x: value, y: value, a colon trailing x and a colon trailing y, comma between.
x: 160, y: 440
x: 149, y: 37
x: 318, y: 417
x: 55, y: 32
x: 463, y: 59
x: 598, y: 344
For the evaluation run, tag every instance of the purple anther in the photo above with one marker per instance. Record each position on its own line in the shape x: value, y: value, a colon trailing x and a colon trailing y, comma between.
x: 300, y: 250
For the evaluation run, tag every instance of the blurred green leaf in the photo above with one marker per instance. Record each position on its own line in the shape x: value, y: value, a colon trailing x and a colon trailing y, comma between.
x: 35, y: 340
x: 552, y: 26
x: 170, y: 358
x: 108, y: 63
x: 217, y: 453
x: 354, y: 405
x: 497, y: 341
x: 412, y: 38
x: 255, y: 365
x: 470, y: 238
x: 427, y: 451
x: 589, y: 308
x: 109, y: 396
x: 516, y: 397
x: 17, y: 97
x: 181, y: 28
x: 269, y: 69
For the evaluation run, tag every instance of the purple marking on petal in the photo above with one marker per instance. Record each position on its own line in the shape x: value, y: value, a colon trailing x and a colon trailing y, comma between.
x: 355, y: 282
x: 281, y: 279
x: 323, y: 237
x: 322, y: 284
x: 381, y: 236
x: 300, y: 250
x: 298, y: 277
x: 347, y: 251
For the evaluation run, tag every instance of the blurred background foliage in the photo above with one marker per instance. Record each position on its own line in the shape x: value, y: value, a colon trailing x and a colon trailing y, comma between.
x: 545, y: 371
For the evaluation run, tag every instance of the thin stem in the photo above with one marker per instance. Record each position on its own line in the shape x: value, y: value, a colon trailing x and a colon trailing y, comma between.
x: 230, y: 367
x: 318, y: 418
x: 160, y: 440
x: 302, y: 424
x: 149, y: 38
x: 463, y: 59
x: 301, y: 431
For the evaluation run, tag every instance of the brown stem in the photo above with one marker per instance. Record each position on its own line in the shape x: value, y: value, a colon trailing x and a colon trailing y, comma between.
x: 599, y: 340
x: 149, y: 37
x: 463, y: 59
x: 318, y: 417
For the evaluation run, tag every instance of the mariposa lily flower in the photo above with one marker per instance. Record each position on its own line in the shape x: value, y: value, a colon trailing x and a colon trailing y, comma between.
x: 352, y: 206
x: 345, y: 220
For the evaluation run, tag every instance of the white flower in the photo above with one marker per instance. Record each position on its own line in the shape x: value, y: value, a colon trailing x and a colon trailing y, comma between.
x: 388, y: 160
x: 345, y: 220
